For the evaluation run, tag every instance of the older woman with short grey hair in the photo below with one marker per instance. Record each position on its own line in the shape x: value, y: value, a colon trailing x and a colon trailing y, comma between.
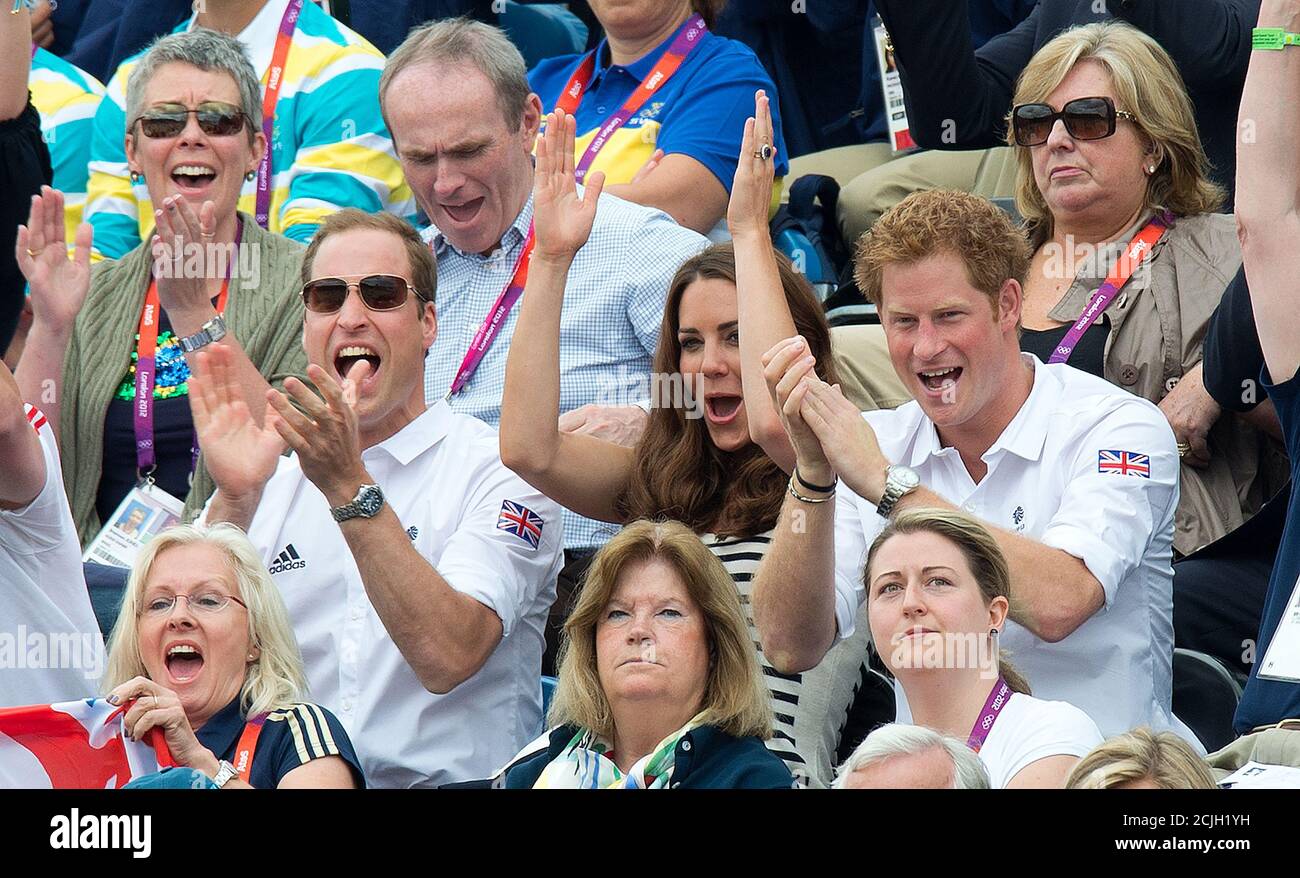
x: 106, y: 353
x: 911, y: 757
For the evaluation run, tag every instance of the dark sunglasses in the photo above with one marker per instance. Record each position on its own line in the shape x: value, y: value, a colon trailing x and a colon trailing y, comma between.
x: 216, y: 119
x: 379, y: 292
x: 1084, y: 118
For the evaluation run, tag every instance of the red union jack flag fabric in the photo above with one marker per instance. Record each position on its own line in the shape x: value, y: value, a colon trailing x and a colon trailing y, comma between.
x: 1124, y: 463
x: 35, y: 417
x: 517, y: 519
x: 74, y: 745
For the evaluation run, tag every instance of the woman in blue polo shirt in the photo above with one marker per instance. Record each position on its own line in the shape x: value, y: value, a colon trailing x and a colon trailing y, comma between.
x: 663, y: 102
x: 203, y: 651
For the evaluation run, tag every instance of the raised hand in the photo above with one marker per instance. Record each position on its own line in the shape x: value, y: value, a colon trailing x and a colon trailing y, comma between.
x: 788, y: 370
x: 59, y: 284
x: 561, y: 219
x: 751, y: 189
x: 240, y: 455
x: 325, y: 434
x: 176, y: 226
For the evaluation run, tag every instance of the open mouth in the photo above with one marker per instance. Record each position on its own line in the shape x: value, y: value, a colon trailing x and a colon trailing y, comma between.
x: 463, y: 213
x: 723, y: 408
x: 939, y: 380
x: 349, y: 357
x: 184, y: 662
x: 193, y: 179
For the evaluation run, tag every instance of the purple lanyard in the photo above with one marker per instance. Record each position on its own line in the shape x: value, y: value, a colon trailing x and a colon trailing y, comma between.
x: 997, y: 700
x: 487, y: 332
x: 684, y: 41
x: 1138, y: 251
x: 275, y: 78
x: 145, y: 373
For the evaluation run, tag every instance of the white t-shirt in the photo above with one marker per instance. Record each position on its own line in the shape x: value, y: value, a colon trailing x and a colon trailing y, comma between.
x: 1029, y: 729
x: 50, y: 646
x: 1084, y: 467
x: 474, y: 521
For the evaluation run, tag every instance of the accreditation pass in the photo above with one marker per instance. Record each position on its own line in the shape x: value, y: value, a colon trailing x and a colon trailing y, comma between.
x: 1282, y: 660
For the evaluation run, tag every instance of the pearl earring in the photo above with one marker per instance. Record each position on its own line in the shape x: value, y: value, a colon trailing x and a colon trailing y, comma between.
x: 251, y: 176
x: 136, y: 177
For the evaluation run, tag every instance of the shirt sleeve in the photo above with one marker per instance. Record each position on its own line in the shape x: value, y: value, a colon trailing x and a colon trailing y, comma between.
x: 345, y: 156
x: 850, y: 557
x: 112, y: 204
x: 509, y: 546
x: 1055, y: 728
x: 44, y: 522
x: 1110, y: 513
x: 708, y: 122
x: 293, y: 737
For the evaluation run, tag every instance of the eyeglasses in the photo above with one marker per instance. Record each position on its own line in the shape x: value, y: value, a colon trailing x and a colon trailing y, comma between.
x: 1084, y: 118
x: 208, y: 603
x: 216, y: 119
x: 379, y: 292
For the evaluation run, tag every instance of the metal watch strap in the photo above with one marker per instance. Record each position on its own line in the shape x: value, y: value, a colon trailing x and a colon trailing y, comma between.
x: 367, y: 503
x: 225, y: 773
x: 213, y: 330
x: 896, y: 488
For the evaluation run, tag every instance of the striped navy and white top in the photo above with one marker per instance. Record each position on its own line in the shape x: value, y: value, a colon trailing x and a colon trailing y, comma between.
x: 811, y: 708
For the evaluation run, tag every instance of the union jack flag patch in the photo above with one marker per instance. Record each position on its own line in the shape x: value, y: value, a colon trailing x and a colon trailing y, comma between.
x: 521, y: 521
x: 1124, y: 463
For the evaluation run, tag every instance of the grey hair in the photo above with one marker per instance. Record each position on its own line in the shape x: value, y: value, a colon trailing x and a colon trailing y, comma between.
x: 897, y: 739
x: 207, y: 50
x: 464, y: 41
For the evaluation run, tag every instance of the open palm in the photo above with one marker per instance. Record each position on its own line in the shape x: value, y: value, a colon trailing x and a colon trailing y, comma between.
x: 562, y: 219
x: 59, y: 284
x: 240, y: 455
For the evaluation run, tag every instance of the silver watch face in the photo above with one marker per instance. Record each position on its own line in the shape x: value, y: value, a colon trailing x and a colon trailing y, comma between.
x: 369, y: 500
x: 903, y: 476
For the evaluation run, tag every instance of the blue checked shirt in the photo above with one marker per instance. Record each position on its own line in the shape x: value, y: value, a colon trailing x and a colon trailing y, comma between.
x: 613, y: 307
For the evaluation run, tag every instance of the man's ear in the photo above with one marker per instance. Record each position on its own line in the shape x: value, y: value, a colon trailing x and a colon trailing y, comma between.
x: 1010, y: 300
x: 532, y: 120
x: 429, y: 318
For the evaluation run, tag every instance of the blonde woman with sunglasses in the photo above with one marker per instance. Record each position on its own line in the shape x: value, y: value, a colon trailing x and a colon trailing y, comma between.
x: 208, y: 273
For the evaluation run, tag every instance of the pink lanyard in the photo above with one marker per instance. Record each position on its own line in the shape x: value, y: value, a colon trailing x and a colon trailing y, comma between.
x: 993, y: 705
x: 275, y: 78
x: 1138, y: 250
x: 487, y: 332
x: 688, y: 36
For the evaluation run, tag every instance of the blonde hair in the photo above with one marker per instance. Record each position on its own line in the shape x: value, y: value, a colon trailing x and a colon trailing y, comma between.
x: 980, y: 549
x: 275, y: 679
x: 735, y: 697
x: 943, y: 221
x: 1141, y: 754
x: 1146, y: 83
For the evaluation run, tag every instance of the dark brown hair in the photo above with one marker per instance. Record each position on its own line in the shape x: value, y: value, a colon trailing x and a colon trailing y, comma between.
x: 679, y: 472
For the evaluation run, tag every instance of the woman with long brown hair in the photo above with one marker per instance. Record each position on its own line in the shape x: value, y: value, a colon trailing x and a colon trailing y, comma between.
x: 714, y: 454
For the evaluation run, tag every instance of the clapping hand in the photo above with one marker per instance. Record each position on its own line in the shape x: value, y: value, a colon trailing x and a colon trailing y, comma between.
x: 240, y: 455
x: 751, y: 190
x: 59, y: 284
x: 846, y: 438
x: 788, y: 369
x: 561, y: 219
x: 176, y: 226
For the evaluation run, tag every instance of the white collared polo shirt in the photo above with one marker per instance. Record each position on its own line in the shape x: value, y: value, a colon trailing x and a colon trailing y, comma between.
x: 488, y: 533
x: 1084, y: 467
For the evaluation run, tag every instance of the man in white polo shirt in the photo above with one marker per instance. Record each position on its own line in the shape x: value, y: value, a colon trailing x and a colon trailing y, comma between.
x: 50, y: 646
x: 1076, y: 478
x: 420, y: 612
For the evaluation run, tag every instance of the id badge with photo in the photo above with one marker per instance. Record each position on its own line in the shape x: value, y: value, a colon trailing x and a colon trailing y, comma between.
x: 891, y: 85
x: 144, y: 512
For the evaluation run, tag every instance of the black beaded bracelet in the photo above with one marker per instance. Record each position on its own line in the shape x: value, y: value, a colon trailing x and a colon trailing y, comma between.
x: 820, y: 489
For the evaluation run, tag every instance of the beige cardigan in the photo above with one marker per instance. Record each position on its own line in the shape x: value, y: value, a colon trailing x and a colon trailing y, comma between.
x: 267, y: 320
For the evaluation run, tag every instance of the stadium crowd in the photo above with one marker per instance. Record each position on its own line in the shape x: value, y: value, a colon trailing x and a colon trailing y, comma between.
x: 440, y: 396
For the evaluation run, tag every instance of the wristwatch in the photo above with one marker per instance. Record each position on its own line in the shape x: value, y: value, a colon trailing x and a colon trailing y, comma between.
x: 899, y: 482
x: 213, y: 330
x: 366, y: 504
x: 225, y: 771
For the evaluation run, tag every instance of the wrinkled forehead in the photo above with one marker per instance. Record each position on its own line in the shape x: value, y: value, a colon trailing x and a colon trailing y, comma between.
x: 435, y: 105
x: 181, y: 83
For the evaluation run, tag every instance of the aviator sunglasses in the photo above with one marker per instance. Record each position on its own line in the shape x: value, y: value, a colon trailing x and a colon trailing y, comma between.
x: 379, y: 292
x: 216, y: 119
x: 1084, y: 118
